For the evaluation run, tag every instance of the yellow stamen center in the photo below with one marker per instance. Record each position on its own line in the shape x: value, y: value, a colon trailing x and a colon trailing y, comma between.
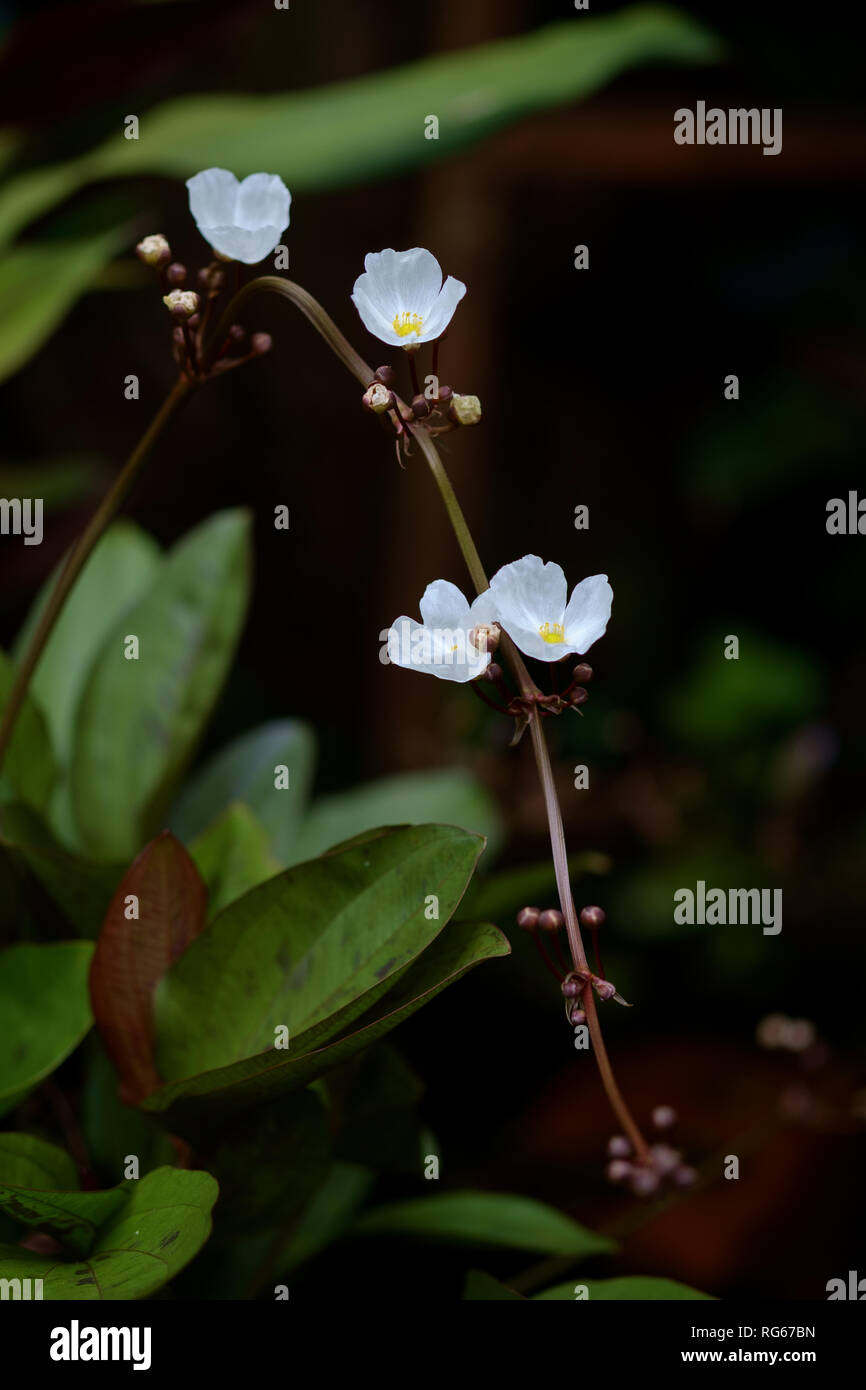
x: 407, y: 323
x: 552, y: 632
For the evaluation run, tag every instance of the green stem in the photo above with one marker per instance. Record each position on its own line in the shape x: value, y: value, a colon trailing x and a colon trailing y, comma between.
x: 78, y: 558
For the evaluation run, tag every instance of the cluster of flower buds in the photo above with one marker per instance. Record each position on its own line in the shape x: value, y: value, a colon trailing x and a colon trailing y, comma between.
x: 663, y: 1166
x: 190, y: 309
x: 548, y: 923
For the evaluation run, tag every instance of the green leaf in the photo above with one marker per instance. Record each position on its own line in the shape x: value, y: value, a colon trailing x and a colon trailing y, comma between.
x: 139, y: 720
x: 81, y: 888
x: 232, y: 857
x: 112, y: 1130
x: 269, y: 1168
x: 310, y: 949
x: 372, y: 127
x: 245, y: 771
x: 484, y: 1218
x: 26, y: 1161
x: 636, y: 1288
x: 197, y: 1103
x: 121, y: 567
x: 45, y: 1010
x: 39, y: 283
x: 159, y: 1229
x: 158, y: 910
x: 72, y: 1217
x: 483, y: 1286
x: 29, y: 770
x: 328, y: 1214
x: 450, y: 796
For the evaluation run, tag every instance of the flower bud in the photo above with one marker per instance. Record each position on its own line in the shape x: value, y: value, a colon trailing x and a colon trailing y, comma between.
x: 377, y: 398
x: 211, y: 278
x: 604, y: 989
x: 577, y: 1016
x: 644, y: 1182
x: 485, y: 637
x: 592, y: 917
x: 664, y: 1159
x: 579, y: 696
x: 153, y: 250
x: 237, y: 333
x: 465, y: 410
x: 444, y: 395
x: 618, y: 1146
x: 684, y: 1176
x: 493, y: 672
x: 664, y: 1116
x: 618, y: 1170
x: 582, y: 673
x: 385, y: 375
x: 527, y: 918
x: 182, y: 304
x: 261, y: 343
x: 551, y: 920
x: 176, y: 274
x: 572, y: 989
x: 420, y: 407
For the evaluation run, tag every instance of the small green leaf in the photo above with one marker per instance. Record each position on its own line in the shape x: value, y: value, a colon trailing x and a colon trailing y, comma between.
x: 483, y: 1286
x: 484, y: 1218
x: 198, y: 1103
x: 30, y: 770
x: 233, y: 856
x: 121, y: 567
x: 72, y: 1217
x: 447, y: 796
x: 45, y: 1009
x: 246, y: 771
x: 310, y: 949
x: 637, y: 1288
x: 139, y: 720
x: 164, y: 1223
x: 26, y: 1161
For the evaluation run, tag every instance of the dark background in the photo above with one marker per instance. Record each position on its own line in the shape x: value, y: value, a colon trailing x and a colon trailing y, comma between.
x: 602, y: 387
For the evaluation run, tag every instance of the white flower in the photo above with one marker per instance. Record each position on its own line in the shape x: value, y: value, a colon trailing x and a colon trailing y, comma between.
x: 401, y: 297
x: 242, y: 221
x: 530, y: 604
x: 442, y: 643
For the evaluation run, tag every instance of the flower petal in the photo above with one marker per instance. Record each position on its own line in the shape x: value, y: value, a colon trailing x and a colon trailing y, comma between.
x: 212, y: 197
x: 529, y: 592
x: 419, y: 648
x: 373, y: 317
x: 262, y: 201
x: 443, y: 605
x: 241, y: 243
x: 442, y: 312
x: 588, y: 612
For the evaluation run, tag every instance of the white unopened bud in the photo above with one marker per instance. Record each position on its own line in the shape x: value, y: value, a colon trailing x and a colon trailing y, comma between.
x: 378, y: 398
x: 466, y: 410
x: 153, y: 250
x: 485, y: 637
x: 181, y: 303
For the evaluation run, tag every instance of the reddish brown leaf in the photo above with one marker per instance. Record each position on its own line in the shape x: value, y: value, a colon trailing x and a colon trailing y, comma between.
x: 132, y: 955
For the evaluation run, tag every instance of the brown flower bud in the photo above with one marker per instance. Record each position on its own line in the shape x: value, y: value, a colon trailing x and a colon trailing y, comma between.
x: 582, y: 673
x: 527, y: 918
x: 592, y: 917
x: 551, y: 920
x: 176, y: 274
x: 261, y: 343
x: 384, y: 374
x: 420, y: 407
x: 579, y: 696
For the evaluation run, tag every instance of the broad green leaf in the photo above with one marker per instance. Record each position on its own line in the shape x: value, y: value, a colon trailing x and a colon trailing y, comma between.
x: 269, y: 1167
x: 201, y: 1102
x: 481, y: 1286
x: 72, y: 1217
x: 45, y: 1010
x: 29, y: 770
x: 121, y: 567
x: 233, y: 856
x: 449, y: 796
x: 39, y: 283
x: 636, y: 1288
x: 112, y: 1130
x: 309, y: 950
x: 328, y: 1214
x: 80, y: 887
x: 484, y: 1218
x: 26, y: 1161
x: 372, y: 127
x: 246, y: 771
x: 160, y: 907
x: 139, y: 720
x: 164, y: 1223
